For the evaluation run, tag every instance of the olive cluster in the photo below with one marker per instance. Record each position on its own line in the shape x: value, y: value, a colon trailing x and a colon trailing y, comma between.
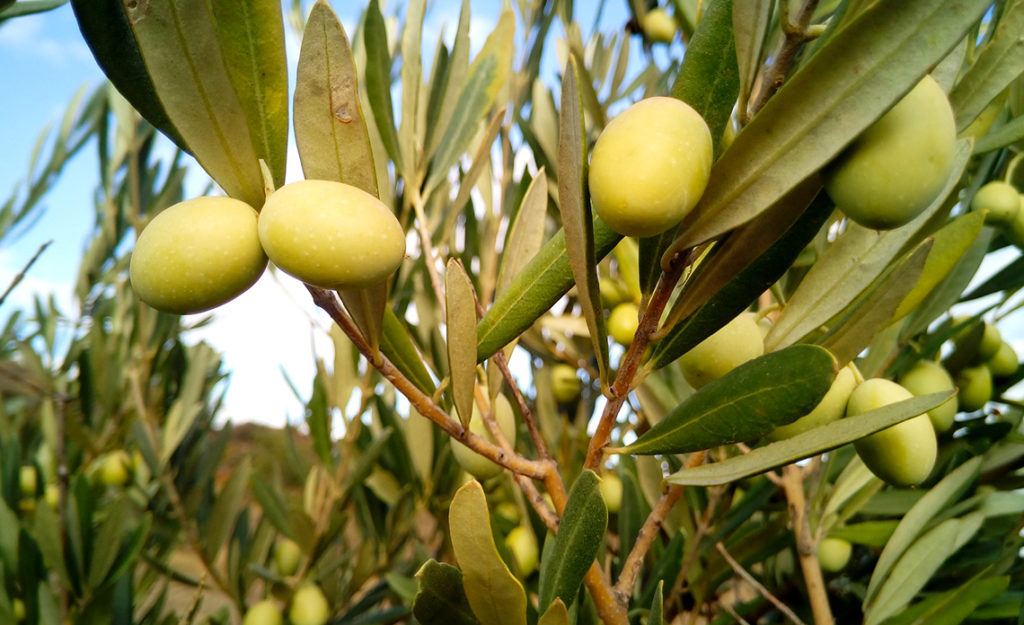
x: 203, y: 252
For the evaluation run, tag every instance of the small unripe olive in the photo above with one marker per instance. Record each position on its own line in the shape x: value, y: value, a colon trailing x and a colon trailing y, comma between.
x: 902, y: 455
x: 331, y: 235
x: 622, y: 323
x: 475, y: 464
x: 197, y: 254
x: 834, y: 554
x: 507, y: 511
x: 927, y: 377
x: 650, y: 166
x: 991, y: 339
x: 565, y: 384
x: 115, y: 470
x: 611, y: 491
x: 52, y: 496
x: 309, y: 606
x: 831, y: 407
x: 659, y: 26
x: 522, y: 544
x: 898, y: 166
x: 28, y: 480
x: 1014, y: 230
x: 975, y: 385
x: 732, y: 345
x: 18, y: 610
x: 1004, y: 363
x: 1000, y: 200
x: 263, y: 612
x: 287, y: 556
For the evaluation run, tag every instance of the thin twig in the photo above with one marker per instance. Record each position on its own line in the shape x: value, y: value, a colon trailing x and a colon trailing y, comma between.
x: 24, y: 271
x: 736, y: 566
x: 644, y: 540
x: 428, y: 250
x: 796, y: 35
x: 806, y: 546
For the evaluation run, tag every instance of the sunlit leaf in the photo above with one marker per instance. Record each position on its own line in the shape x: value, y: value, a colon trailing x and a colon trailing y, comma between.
x: 953, y: 606
x: 461, y: 325
x: 400, y: 350
x: 526, y: 235
x: 556, y: 614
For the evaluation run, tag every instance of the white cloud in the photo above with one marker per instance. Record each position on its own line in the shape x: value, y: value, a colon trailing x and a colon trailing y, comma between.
x: 30, y: 36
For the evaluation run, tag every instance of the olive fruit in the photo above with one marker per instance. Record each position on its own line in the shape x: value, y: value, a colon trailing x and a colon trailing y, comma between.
x: 659, y: 26
x: 732, y: 345
x: 331, y: 234
x: 622, y: 323
x: 991, y: 340
x: 927, y: 377
x: 287, y: 555
x: 114, y: 471
x: 898, y: 166
x: 1004, y: 363
x: 999, y: 199
x: 975, y: 385
x: 903, y: 454
x: 834, y: 554
x: 1014, y: 230
x: 28, y: 480
x: 263, y: 612
x: 522, y: 544
x: 18, y: 610
x: 611, y: 491
x: 831, y: 407
x: 650, y: 166
x: 565, y: 385
x: 51, y: 495
x: 197, y: 254
x: 475, y: 464
x: 309, y: 606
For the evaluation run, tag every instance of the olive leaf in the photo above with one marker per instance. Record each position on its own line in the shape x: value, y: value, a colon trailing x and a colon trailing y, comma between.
x: 461, y: 324
x: 952, y: 607
x: 378, y: 81
x: 440, y: 599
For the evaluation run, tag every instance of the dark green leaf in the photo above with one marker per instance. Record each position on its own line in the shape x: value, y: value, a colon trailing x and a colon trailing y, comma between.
x: 1008, y: 278
x: 272, y: 503
x: 745, y: 404
x: 953, y: 606
x: 378, y: 80
x: 330, y: 131
x: 366, y: 306
x: 106, y: 543
x: 810, y: 443
x: 225, y: 512
x: 534, y: 290
x: 440, y: 599
x: 657, y: 616
x: 577, y: 222
x: 579, y: 538
x: 400, y: 350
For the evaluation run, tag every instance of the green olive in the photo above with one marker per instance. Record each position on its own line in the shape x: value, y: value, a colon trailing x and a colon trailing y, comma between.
x: 28, y: 480
x: 650, y: 166
x: 197, y: 254
x: 834, y: 554
x: 999, y: 200
x: 263, y: 612
x: 1014, y: 230
x: 473, y: 463
x: 734, y: 344
x: 51, y: 495
x: 659, y: 26
x: 902, y: 455
x: 1004, y: 363
x: 115, y: 470
x: 18, y: 610
x: 287, y: 556
x: 309, y: 606
x: 611, y: 491
x: 831, y: 407
x: 565, y: 384
x: 898, y: 166
x: 927, y: 377
x: 331, y: 234
x: 522, y: 544
x: 975, y: 385
x: 622, y: 323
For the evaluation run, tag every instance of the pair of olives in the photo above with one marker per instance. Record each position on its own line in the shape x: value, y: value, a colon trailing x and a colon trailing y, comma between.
x: 201, y: 253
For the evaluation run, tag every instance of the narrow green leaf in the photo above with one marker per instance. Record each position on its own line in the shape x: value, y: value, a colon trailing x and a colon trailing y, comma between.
x: 106, y: 544
x: 1002, y: 503
x: 366, y: 462
x: 104, y: 25
x: 440, y: 599
x: 534, y: 290
x: 366, y: 306
x: 852, y: 80
x: 45, y: 530
x: 400, y: 350
x: 657, y: 615
x: 1001, y: 136
x: 870, y: 533
x: 579, y: 538
x: 749, y: 23
x: 810, y: 443
x: 272, y: 504
x: 577, y: 221
x: 410, y: 131
x: 526, y: 234
x: 192, y: 82
x: 1000, y: 62
x: 485, y: 78
x: 953, y: 606
x: 1009, y: 277
x: 741, y: 268
x: 745, y: 404
x: 330, y: 131
x: 225, y: 511
x: 939, y: 497
x: 850, y: 265
x: 378, y: 80
x: 556, y: 614
x: 877, y: 310
x: 708, y: 80
x: 454, y: 81
x: 461, y: 323
x: 493, y: 592
x: 251, y: 38
x: 28, y: 7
